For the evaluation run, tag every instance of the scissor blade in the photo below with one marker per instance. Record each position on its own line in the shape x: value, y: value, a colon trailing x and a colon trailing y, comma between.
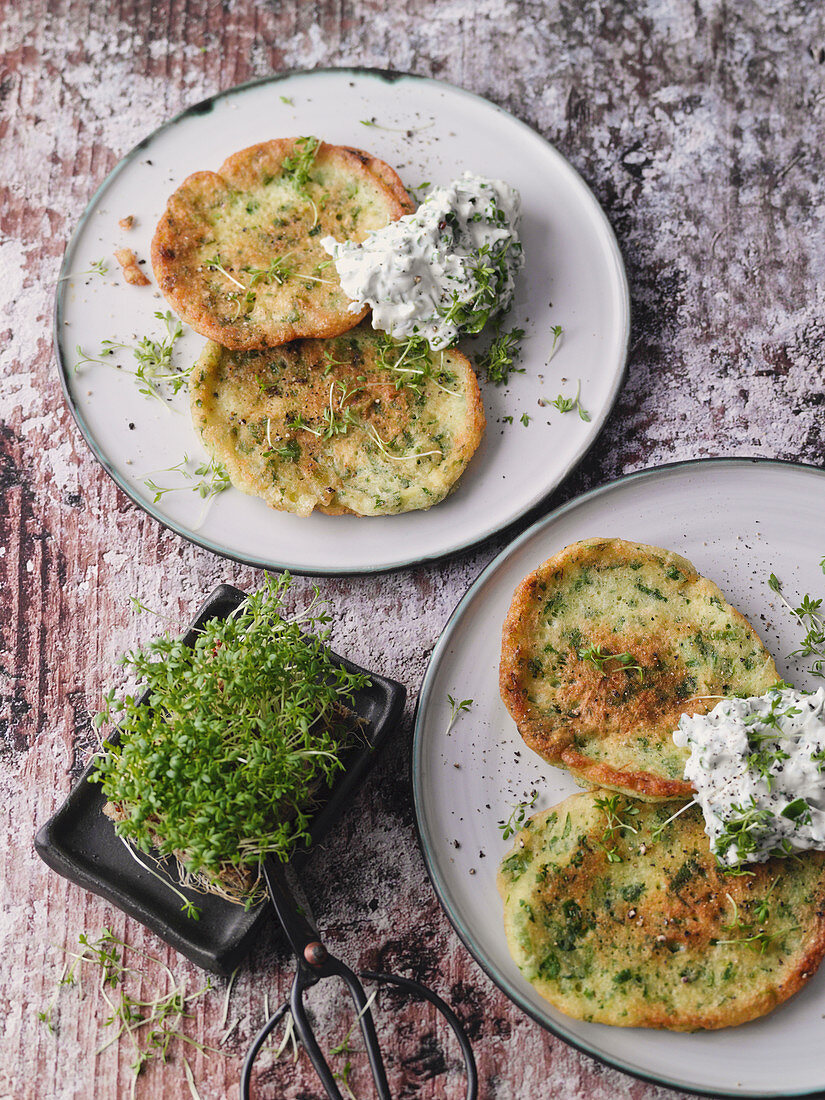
x: 297, y: 926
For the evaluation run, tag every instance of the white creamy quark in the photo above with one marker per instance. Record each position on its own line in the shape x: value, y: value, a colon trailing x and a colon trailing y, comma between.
x: 441, y: 271
x: 757, y: 766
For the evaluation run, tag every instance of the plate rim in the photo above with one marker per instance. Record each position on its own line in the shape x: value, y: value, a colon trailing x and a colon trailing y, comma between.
x: 423, y: 698
x: 166, y: 522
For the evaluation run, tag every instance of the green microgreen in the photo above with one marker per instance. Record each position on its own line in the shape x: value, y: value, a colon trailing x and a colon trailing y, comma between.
x: 567, y: 404
x: 188, y: 907
x: 416, y: 193
x: 345, y: 1050
x: 411, y: 360
x: 557, y: 332
x: 154, y: 359
x: 83, y: 358
x: 761, y: 909
x: 616, y: 810
x: 217, y: 264
x: 457, y: 708
x: 760, y: 940
x: 298, y: 166
x: 330, y: 361
x: 810, y: 617
x: 290, y: 451
x: 754, y: 936
x: 286, y: 99
x: 657, y: 831
x: 383, y: 445
x: 97, y: 267
x: 210, y: 478
x: 140, y: 608
x: 599, y: 657
x: 498, y: 363
x: 525, y: 419
x: 518, y: 816
x: 338, y: 421
x: 152, y: 1024
x: 241, y: 731
x: 278, y: 271
x: 763, y: 733
x: 743, y: 829
x: 375, y: 125
x: 491, y: 275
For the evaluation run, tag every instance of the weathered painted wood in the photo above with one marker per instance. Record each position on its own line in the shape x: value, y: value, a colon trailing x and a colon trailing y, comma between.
x: 698, y: 125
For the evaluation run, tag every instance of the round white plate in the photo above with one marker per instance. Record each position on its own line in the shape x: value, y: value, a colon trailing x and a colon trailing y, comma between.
x: 737, y: 520
x: 573, y: 277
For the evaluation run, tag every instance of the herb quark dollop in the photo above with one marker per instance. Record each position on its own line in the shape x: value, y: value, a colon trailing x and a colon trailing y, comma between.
x: 757, y: 766
x: 441, y: 272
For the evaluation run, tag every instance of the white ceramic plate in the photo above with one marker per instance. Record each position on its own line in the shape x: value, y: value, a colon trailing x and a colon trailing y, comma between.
x: 437, y: 132
x: 737, y: 520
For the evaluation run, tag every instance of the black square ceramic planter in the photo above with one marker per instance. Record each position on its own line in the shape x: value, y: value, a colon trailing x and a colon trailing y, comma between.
x: 80, y: 843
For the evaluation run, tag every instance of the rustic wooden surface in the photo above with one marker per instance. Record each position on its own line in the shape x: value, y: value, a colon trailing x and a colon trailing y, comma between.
x: 698, y: 123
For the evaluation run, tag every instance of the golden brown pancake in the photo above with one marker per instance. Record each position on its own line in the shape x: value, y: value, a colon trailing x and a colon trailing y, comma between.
x: 343, y: 425
x: 606, y: 645
x: 237, y: 252
x: 641, y: 928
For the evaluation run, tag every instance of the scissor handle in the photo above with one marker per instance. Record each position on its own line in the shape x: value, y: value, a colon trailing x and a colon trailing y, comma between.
x: 418, y: 990
x: 308, y: 976
x: 260, y: 1039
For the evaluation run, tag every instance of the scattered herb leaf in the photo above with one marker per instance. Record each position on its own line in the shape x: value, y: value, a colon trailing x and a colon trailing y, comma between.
x: 599, y: 657
x: 498, y: 363
x: 567, y: 404
x: 97, y: 267
x: 615, y: 815
x: 457, y: 708
x: 810, y: 617
x: 212, y: 475
x: 517, y: 818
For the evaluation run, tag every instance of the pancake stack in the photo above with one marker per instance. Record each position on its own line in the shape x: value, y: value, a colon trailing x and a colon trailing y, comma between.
x: 615, y: 908
x: 299, y: 418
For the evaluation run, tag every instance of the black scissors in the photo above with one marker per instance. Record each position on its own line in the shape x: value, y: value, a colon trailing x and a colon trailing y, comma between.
x: 315, y: 963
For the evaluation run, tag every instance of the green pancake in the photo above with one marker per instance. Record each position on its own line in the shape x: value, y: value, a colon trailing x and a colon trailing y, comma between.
x: 330, y: 424
x: 606, y: 645
x: 641, y: 929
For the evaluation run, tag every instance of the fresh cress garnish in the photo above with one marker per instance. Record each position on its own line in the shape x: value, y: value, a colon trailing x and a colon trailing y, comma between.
x: 457, y: 707
x: 241, y: 732
x: 96, y: 267
x: 154, y: 359
x: 567, y: 404
x: 518, y: 816
x: 210, y: 478
x: 616, y: 810
x: 498, y: 362
x: 810, y: 616
x: 151, y: 1022
x: 599, y: 657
